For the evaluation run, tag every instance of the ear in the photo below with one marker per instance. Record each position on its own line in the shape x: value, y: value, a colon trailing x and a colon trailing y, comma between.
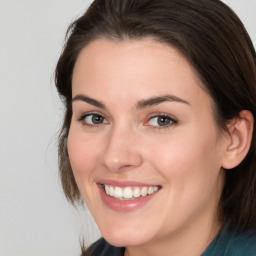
x: 239, y: 142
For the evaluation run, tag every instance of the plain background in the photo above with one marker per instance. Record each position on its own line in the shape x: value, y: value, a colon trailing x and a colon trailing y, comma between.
x: 35, y: 218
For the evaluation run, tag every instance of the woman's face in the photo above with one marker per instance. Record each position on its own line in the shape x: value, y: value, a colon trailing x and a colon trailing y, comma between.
x: 143, y: 144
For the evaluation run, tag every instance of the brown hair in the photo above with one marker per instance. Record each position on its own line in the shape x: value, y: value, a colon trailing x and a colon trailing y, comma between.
x: 213, y: 39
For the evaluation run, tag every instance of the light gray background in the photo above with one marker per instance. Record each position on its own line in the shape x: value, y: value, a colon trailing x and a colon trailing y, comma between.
x: 35, y: 219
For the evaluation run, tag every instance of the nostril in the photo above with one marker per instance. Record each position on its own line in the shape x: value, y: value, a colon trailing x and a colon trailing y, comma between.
x: 121, y: 159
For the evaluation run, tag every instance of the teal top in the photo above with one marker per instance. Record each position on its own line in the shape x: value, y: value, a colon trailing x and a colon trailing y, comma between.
x: 227, y: 243
x: 232, y: 243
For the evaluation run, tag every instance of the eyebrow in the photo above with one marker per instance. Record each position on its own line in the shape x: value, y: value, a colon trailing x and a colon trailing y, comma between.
x: 89, y: 100
x: 159, y: 99
x: 144, y: 103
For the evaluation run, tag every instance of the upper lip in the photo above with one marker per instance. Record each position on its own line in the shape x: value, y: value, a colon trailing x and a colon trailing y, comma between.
x: 127, y: 183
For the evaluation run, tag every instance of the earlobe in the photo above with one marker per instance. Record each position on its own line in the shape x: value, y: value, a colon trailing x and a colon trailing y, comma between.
x: 240, y: 136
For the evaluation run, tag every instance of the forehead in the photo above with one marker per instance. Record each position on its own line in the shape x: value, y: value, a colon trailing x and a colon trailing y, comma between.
x: 141, y: 53
x: 145, y: 67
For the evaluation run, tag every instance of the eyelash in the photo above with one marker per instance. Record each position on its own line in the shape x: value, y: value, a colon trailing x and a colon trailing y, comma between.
x: 83, y: 117
x: 163, y: 115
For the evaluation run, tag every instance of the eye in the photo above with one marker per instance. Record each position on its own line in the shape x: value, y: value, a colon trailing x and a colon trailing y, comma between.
x: 161, y: 121
x: 93, y: 119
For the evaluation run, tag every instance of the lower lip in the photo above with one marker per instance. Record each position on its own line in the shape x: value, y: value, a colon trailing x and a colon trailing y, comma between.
x: 124, y: 205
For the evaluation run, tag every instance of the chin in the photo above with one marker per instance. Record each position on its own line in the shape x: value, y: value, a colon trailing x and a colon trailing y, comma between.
x: 123, y: 241
x: 123, y: 237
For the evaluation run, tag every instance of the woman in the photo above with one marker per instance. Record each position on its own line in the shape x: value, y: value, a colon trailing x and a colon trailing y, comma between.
x: 159, y: 132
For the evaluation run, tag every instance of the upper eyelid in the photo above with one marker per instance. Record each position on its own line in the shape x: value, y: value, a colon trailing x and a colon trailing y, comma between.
x: 170, y: 117
x: 84, y: 114
x: 162, y: 114
x: 92, y: 114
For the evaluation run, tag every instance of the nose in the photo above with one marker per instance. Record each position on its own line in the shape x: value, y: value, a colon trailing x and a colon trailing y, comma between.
x: 122, y: 150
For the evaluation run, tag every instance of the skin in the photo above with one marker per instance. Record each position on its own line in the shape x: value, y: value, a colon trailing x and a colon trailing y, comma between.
x: 184, y: 157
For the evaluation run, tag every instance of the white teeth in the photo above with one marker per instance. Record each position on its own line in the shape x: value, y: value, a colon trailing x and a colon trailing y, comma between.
x: 107, y: 189
x: 150, y: 191
x: 111, y: 191
x: 136, y: 192
x: 128, y: 193
x: 118, y: 192
x: 144, y: 191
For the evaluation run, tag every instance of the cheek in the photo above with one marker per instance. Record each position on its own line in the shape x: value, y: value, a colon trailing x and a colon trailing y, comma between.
x: 190, y: 167
x: 82, y: 155
x: 188, y: 159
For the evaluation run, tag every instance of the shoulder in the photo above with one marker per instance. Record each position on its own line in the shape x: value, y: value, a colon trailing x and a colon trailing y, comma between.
x: 103, y: 248
x: 233, y: 243
x: 243, y: 243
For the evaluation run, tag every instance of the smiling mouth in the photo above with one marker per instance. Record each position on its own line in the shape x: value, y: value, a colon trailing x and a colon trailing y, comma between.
x: 129, y: 193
